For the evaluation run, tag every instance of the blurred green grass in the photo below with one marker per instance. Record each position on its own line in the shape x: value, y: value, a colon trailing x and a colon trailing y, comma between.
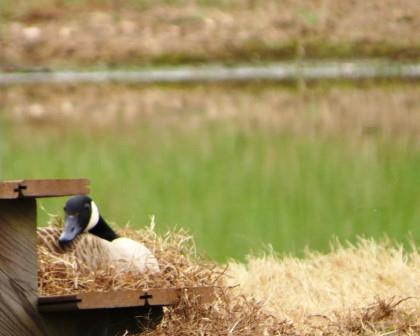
x: 237, y: 190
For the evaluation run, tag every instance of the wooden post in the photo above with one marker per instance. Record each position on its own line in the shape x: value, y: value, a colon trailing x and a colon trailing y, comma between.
x: 18, y: 269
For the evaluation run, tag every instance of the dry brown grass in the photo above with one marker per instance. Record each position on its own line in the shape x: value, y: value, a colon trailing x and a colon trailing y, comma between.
x: 369, y: 289
x: 46, y: 34
x: 385, y: 111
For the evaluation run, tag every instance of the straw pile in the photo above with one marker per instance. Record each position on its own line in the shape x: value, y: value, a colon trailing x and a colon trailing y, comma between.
x: 369, y: 289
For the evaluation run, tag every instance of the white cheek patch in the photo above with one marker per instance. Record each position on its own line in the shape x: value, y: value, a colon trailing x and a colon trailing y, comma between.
x: 94, y: 216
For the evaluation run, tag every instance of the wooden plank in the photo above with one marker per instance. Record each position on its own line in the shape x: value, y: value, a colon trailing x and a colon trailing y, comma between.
x: 43, y: 188
x: 124, y: 298
x: 18, y: 269
x: 7, y: 189
x: 58, y: 187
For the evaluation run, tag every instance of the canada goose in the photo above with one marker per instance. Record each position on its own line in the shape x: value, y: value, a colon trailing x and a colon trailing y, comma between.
x: 93, y: 241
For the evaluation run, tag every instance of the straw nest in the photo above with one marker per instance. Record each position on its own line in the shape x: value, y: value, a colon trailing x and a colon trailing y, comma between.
x: 284, y: 305
x: 181, y: 266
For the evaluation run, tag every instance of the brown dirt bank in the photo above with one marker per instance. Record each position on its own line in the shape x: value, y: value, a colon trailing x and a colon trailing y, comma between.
x: 55, y: 34
x: 390, y: 112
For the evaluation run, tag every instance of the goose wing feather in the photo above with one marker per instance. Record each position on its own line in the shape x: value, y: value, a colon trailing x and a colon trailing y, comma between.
x: 135, y: 254
x: 89, y: 252
x: 92, y: 253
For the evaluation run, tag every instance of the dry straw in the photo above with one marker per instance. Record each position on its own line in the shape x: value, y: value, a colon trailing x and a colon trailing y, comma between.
x: 369, y: 288
x: 352, y: 290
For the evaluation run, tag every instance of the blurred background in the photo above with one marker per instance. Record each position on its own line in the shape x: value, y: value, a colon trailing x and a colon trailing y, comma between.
x: 245, y: 166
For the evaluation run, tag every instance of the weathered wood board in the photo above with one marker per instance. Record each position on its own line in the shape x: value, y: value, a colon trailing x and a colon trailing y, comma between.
x: 43, y: 188
x: 18, y: 269
x: 124, y: 299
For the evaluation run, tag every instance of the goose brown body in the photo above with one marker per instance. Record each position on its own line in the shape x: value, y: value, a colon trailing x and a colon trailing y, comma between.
x: 92, y: 253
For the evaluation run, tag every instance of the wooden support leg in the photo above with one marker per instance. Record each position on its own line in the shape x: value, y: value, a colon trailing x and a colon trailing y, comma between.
x: 18, y: 269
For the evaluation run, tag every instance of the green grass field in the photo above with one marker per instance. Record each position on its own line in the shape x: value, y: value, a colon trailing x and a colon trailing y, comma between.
x: 237, y: 190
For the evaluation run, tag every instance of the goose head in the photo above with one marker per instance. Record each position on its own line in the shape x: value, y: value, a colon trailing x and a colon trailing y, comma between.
x: 80, y: 215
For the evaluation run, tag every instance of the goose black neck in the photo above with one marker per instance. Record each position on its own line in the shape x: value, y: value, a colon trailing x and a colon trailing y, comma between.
x: 103, y: 230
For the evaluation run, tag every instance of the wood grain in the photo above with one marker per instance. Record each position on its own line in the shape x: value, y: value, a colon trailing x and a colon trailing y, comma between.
x: 18, y: 269
x: 7, y: 189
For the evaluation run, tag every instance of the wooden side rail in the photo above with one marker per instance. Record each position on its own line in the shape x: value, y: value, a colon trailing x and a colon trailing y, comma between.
x: 43, y: 188
x: 124, y: 299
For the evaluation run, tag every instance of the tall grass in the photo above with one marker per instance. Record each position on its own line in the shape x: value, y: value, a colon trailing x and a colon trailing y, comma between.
x: 237, y: 190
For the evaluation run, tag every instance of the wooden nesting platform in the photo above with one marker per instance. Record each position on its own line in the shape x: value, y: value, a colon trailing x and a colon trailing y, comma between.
x: 22, y: 312
x: 114, y: 312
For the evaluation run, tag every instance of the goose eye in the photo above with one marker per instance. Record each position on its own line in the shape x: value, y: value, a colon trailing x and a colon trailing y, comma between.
x: 87, y: 205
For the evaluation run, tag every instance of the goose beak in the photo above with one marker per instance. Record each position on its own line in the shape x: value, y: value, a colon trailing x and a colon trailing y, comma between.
x: 71, y: 229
